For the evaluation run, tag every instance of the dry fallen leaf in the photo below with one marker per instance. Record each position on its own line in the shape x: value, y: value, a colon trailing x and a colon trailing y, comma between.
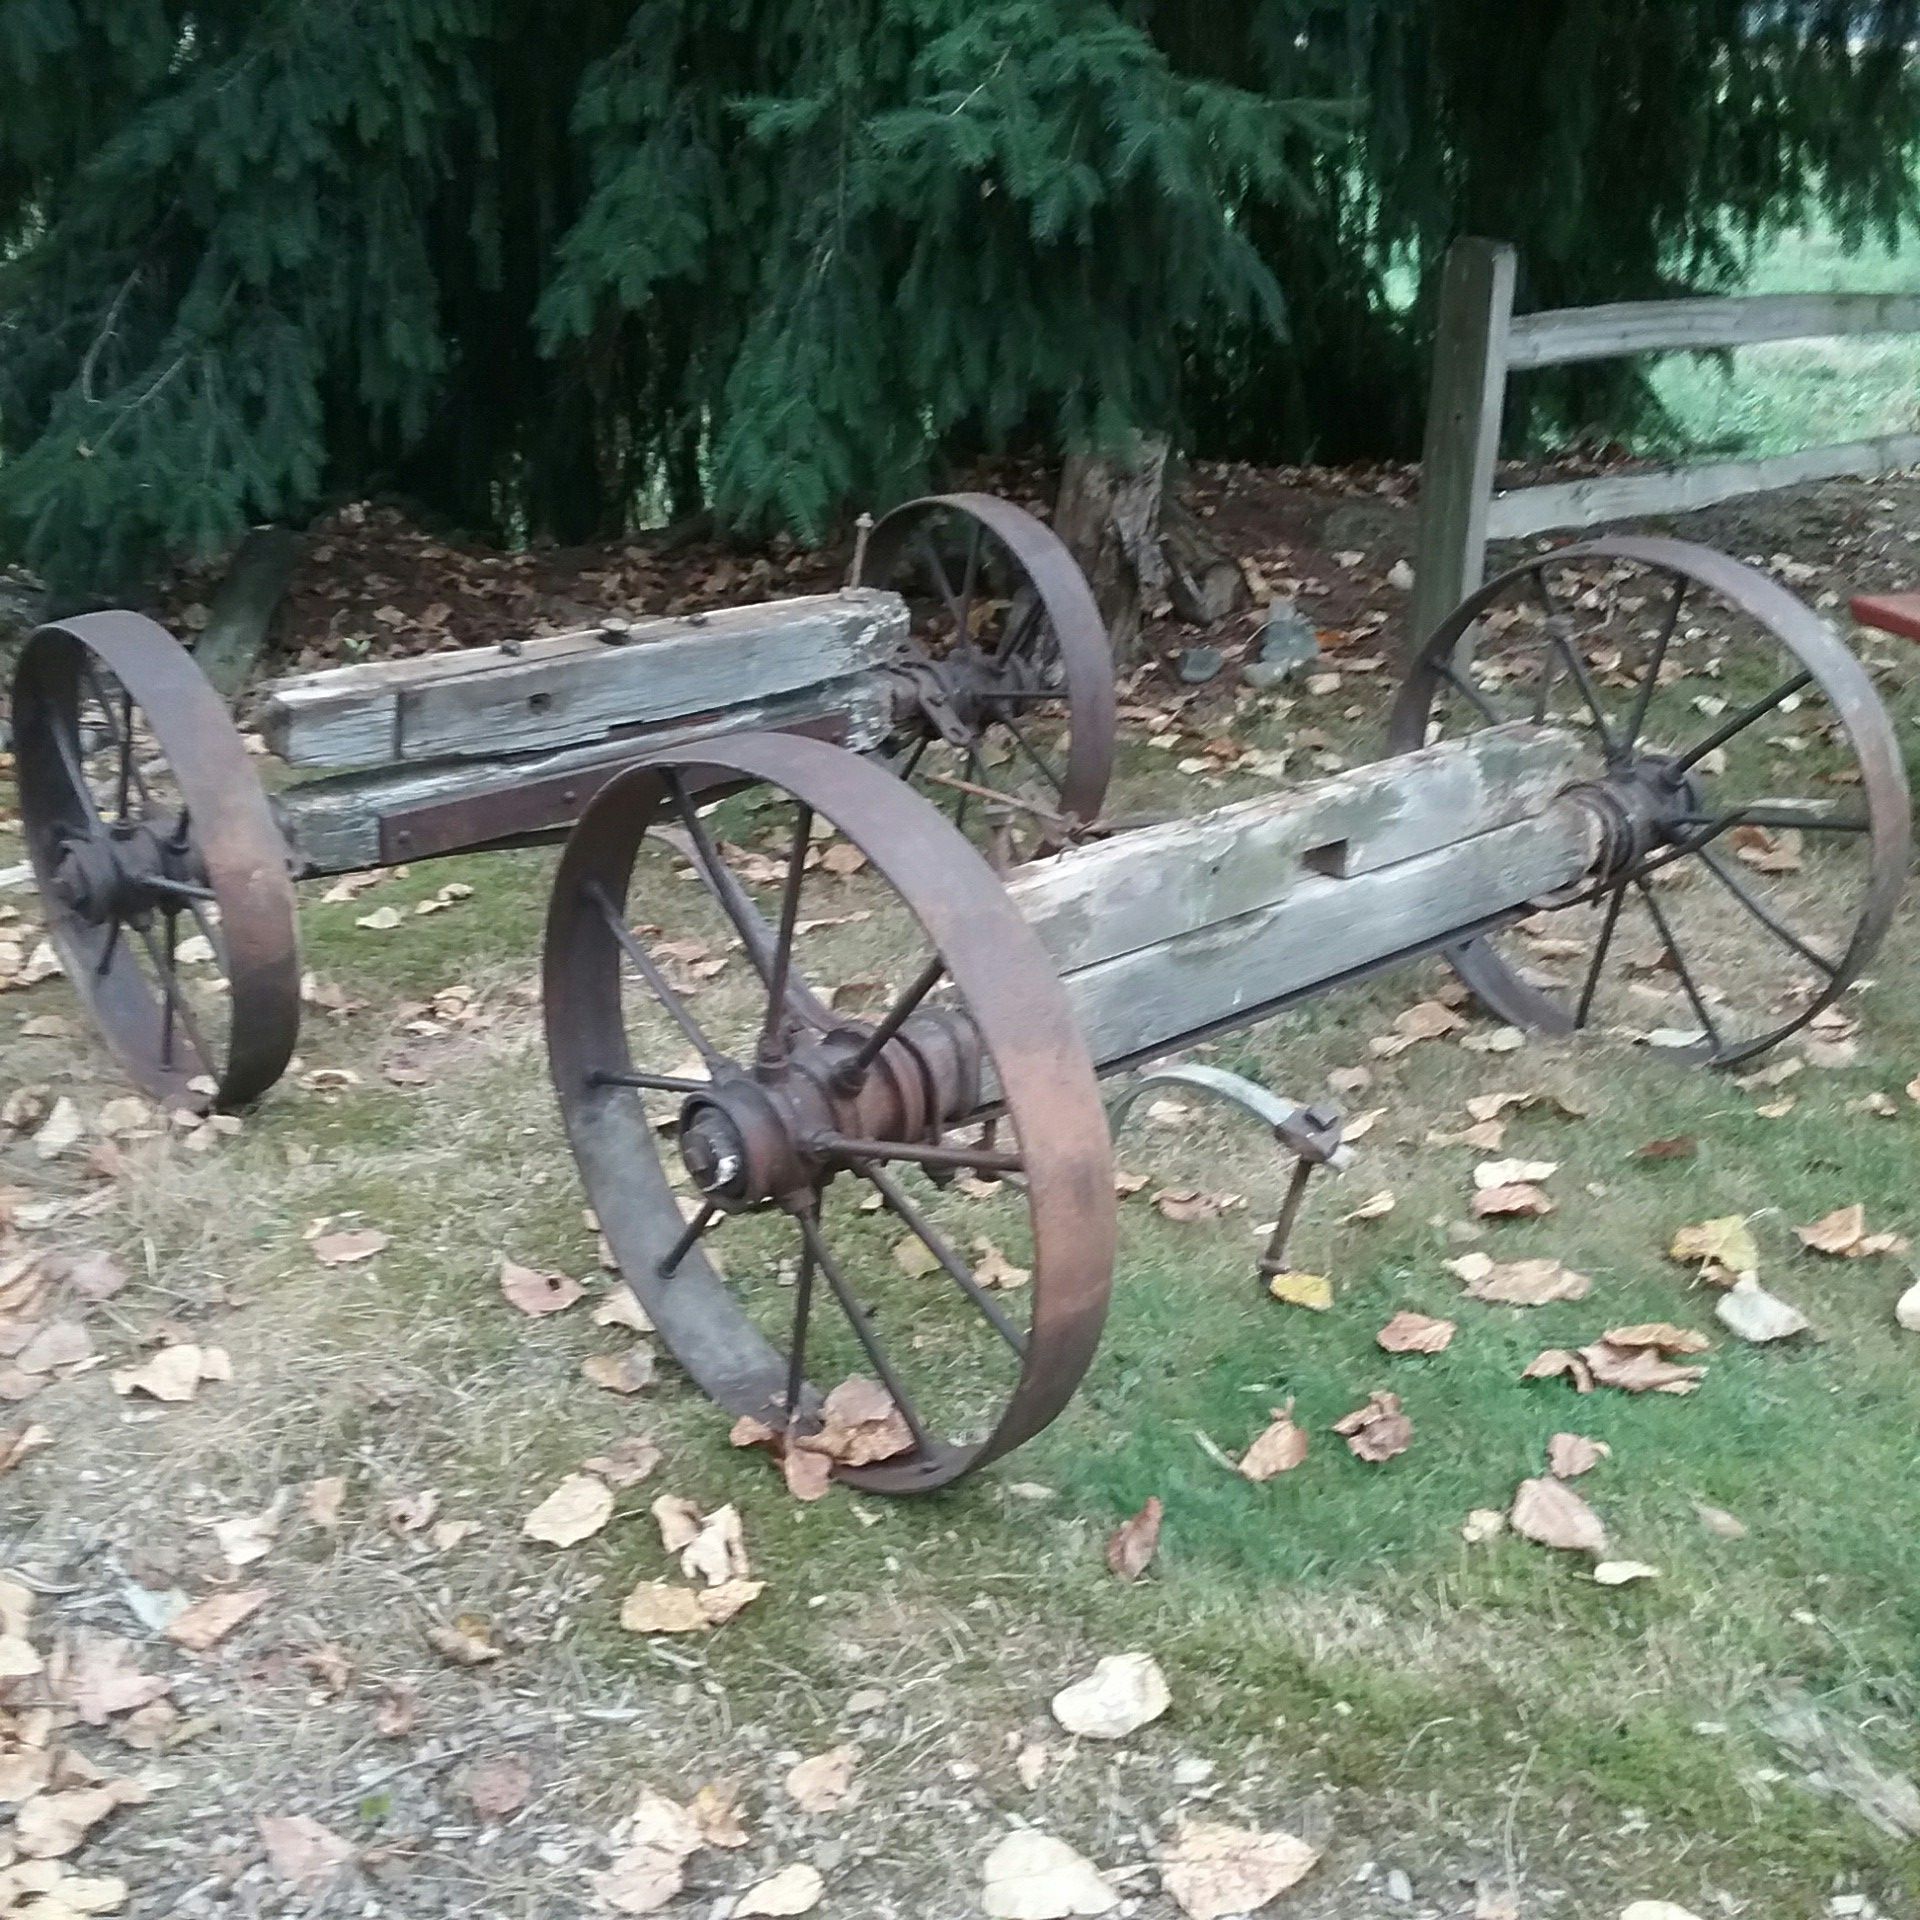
x: 173, y: 1374
x: 303, y: 1854
x: 859, y: 1424
x: 1756, y: 1315
x: 322, y: 1500
x: 628, y: 1372
x: 794, y: 1889
x: 715, y: 1811
x: 1311, y: 1290
x: 17, y: 1443
x: 209, y: 1620
x: 914, y: 1257
x: 52, y: 1825
x: 348, y: 1248
x: 657, y: 1606
x: 1522, y: 1201
x: 821, y: 1784
x: 1033, y: 1876
x: 1428, y: 1020
x: 1189, y: 1204
x: 1378, y: 1431
x: 993, y: 1269
x: 1660, y: 1335
x: 651, y: 1869
x: 1623, y: 1573
x: 1278, y: 1450
x: 1719, y: 1247
x: 100, y: 1677
x: 626, y: 1463
x: 1122, y: 1694
x: 1409, y: 1332
x: 1212, y: 1870
x: 534, y: 1292
x: 1519, y: 1283
x: 464, y: 1644
x: 499, y: 1787
x: 574, y: 1511
x: 1133, y: 1543
x: 1843, y: 1233
x: 1513, y: 1173
x: 1550, y: 1512
x: 1637, y: 1370
x: 1569, y: 1455
x: 1483, y: 1523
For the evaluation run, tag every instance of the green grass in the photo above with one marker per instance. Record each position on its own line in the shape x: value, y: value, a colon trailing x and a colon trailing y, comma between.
x: 1786, y: 395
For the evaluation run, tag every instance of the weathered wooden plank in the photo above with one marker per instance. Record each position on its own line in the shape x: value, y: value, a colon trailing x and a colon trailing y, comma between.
x: 571, y: 688
x: 337, y: 824
x: 1573, y: 334
x: 1632, y: 496
x: 1142, y: 888
x: 1464, y: 409
x: 1159, y: 997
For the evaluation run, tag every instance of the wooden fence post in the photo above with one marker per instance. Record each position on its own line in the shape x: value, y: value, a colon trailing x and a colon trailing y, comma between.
x: 1464, y: 411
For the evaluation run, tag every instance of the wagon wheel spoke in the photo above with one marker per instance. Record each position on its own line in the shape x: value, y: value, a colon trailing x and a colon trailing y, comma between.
x: 968, y: 581
x: 1462, y: 685
x: 1616, y: 899
x: 1027, y: 618
x: 857, y: 1318
x: 802, y: 1321
x: 773, y: 1034
x: 1745, y: 718
x: 1033, y: 753
x: 1559, y: 638
x: 736, y: 903
x: 1679, y: 959
x: 120, y: 735
x: 919, y: 1153
x: 690, y: 1237
x: 923, y: 544
x: 176, y: 1004
x: 951, y: 1264
x: 1777, y: 817
x: 1643, y: 697
x: 648, y: 969
x: 1764, y: 914
x: 898, y: 1014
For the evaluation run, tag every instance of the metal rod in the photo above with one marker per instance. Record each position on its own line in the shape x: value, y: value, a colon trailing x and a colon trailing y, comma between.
x: 1488, y: 711
x: 802, y: 1316
x: 1767, y: 918
x: 647, y: 1082
x: 863, y: 1331
x: 919, y: 1153
x: 648, y: 971
x: 1274, y: 1259
x: 171, y: 992
x: 1644, y: 698
x: 772, y: 1049
x: 951, y: 1264
x: 1680, y: 964
x: 897, y: 1016
x: 1743, y: 719
x: 1615, y: 902
x: 684, y: 1245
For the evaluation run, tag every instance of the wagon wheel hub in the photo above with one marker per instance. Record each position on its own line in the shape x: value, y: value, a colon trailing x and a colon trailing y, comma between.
x: 122, y: 872
x: 1642, y: 805
x: 783, y: 1129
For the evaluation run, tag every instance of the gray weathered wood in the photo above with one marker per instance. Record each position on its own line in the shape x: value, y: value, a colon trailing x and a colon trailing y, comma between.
x: 1464, y: 410
x: 333, y: 824
x: 1142, y: 888
x: 1629, y: 496
x: 1573, y: 334
x: 1154, y: 998
x: 575, y: 687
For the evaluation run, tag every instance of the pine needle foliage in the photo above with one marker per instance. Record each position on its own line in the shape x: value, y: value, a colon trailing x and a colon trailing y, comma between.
x: 547, y: 267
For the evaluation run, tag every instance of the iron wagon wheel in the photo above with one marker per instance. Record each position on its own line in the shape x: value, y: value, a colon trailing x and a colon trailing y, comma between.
x: 1022, y: 726
x: 1754, y: 821
x: 787, y: 1107
x: 145, y: 821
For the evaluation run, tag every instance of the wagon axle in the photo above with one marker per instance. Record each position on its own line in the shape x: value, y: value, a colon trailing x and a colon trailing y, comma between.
x: 125, y: 871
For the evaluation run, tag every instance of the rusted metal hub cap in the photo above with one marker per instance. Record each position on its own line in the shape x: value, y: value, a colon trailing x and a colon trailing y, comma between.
x: 768, y: 1134
x: 1641, y: 807
x: 124, y: 873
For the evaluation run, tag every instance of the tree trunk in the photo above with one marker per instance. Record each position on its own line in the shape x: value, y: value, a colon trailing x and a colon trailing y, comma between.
x: 242, y: 613
x: 1143, y: 551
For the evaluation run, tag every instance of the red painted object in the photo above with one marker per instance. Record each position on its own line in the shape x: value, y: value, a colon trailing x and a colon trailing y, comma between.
x: 1890, y: 612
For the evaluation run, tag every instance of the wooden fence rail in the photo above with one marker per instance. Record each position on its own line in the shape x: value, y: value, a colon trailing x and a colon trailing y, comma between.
x: 1480, y: 343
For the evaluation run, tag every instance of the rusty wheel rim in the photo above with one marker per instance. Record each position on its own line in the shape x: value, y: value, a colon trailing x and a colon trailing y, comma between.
x: 980, y: 1025
x: 1690, y: 677
x: 1003, y: 614
x: 148, y: 828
